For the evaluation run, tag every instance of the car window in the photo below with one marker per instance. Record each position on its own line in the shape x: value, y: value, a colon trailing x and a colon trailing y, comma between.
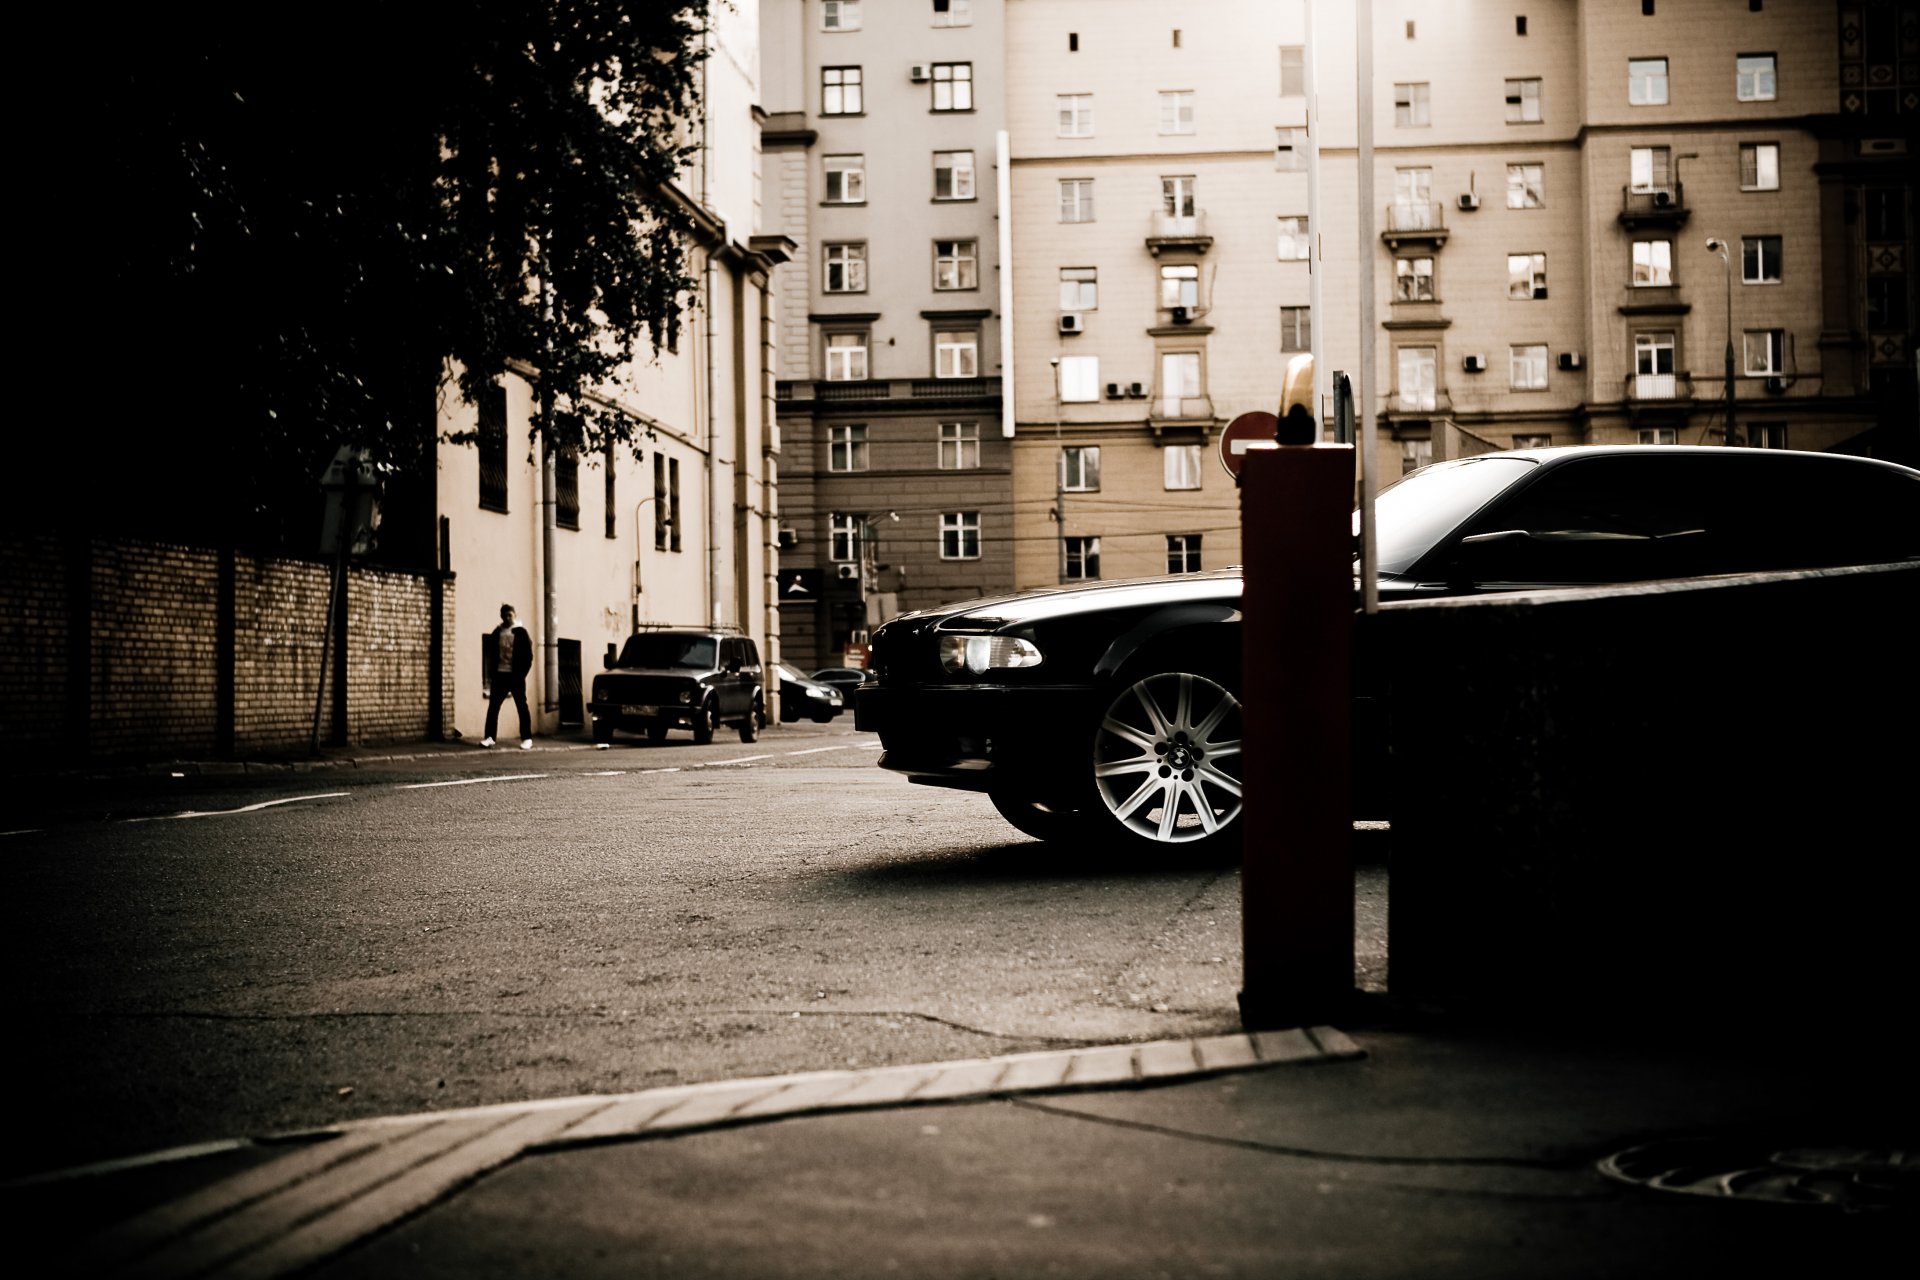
x: 656, y: 650
x: 749, y: 653
x: 1420, y: 509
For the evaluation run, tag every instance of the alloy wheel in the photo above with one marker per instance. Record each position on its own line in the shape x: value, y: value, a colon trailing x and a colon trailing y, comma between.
x: 1166, y: 759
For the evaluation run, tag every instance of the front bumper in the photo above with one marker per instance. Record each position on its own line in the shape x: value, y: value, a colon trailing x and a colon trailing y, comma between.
x: 981, y: 737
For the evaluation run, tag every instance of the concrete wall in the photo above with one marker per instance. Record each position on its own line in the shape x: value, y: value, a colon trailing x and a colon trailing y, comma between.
x: 117, y: 650
x: 1680, y: 799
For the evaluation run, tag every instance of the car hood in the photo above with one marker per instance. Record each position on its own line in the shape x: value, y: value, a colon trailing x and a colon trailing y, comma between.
x: 677, y: 673
x: 1044, y: 603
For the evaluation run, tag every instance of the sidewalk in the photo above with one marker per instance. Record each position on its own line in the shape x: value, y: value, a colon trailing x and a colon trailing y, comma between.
x: 1401, y: 1149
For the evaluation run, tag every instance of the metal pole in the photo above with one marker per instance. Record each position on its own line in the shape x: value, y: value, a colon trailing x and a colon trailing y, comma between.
x: 1726, y: 261
x: 1315, y: 260
x: 1369, y: 423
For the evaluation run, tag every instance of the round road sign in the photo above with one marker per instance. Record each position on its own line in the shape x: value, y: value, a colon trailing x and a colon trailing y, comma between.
x: 1253, y: 430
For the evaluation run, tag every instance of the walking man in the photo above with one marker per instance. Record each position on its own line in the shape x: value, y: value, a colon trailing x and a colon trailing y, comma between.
x: 512, y: 658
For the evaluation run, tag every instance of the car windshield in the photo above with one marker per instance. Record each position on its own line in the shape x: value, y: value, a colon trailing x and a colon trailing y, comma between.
x: 791, y: 673
x: 1421, y: 508
x: 658, y: 651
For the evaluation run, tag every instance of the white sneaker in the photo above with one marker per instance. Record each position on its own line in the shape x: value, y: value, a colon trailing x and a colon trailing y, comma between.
x: 486, y: 742
x: 526, y: 744
x: 603, y: 746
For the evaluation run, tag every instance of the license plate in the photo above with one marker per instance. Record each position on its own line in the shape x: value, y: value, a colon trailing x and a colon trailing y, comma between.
x: 637, y: 709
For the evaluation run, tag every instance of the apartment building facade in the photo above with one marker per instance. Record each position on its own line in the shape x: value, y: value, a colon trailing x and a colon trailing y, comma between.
x: 882, y: 121
x: 681, y: 531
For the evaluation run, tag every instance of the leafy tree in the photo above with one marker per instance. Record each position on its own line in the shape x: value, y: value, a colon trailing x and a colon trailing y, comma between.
x: 296, y: 233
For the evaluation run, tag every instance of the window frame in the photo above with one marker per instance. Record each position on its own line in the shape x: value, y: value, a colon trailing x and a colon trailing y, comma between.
x: 1184, y: 553
x: 959, y: 86
x: 1649, y: 267
x: 851, y: 177
x: 1181, y: 122
x: 846, y: 531
x: 834, y: 15
x: 847, y: 448
x: 958, y: 263
x: 1073, y: 115
x: 1178, y: 197
x: 959, y: 441
x: 1075, y: 371
x: 963, y: 345
x: 1180, y: 285
x: 1085, y: 286
x: 1754, y: 252
x: 960, y: 535
x: 1289, y: 149
x: 1296, y: 232
x: 1080, y: 558
x: 1080, y: 187
x: 1523, y: 99
x: 1533, y: 181
x: 1535, y: 264
x: 1413, y: 284
x: 1527, y: 366
x: 1754, y: 151
x: 1773, y: 349
x: 958, y: 175
x: 851, y: 262
x: 957, y: 13
x: 1413, y: 104
x: 863, y: 344
x: 857, y: 84
x: 1424, y: 358
x: 1298, y: 70
x: 1765, y: 78
x: 1079, y: 468
x: 1297, y: 320
x: 1639, y: 73
x: 1191, y: 471
x: 1659, y: 170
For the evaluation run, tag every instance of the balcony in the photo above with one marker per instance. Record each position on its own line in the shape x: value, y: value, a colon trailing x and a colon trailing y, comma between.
x: 1418, y: 404
x: 1182, y: 231
x: 1415, y: 222
x: 1661, y: 206
x: 1655, y: 395
x: 924, y: 391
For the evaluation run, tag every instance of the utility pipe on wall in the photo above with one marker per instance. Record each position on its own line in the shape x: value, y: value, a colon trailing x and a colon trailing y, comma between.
x: 1003, y: 187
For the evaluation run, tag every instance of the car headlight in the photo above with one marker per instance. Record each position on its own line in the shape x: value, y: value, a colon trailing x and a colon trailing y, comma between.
x: 981, y: 654
x: 686, y: 695
x: 820, y: 693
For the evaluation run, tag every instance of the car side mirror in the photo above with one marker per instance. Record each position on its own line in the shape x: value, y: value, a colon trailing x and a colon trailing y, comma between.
x: 613, y: 657
x: 733, y: 667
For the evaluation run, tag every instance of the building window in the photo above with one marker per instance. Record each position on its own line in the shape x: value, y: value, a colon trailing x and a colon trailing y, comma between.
x: 1526, y: 186
x: 959, y: 446
x: 1759, y: 166
x: 1766, y: 351
x: 960, y: 535
x: 1290, y: 150
x: 1415, y: 454
x: 956, y: 265
x: 1887, y: 302
x: 1183, y: 553
x: 846, y: 179
x: 1649, y: 169
x: 1523, y: 101
x: 1413, y: 279
x: 1413, y: 205
x: 1080, y: 468
x: 1753, y: 77
x: 666, y: 503
x: 1527, y: 367
x: 1176, y: 111
x: 566, y: 486
x: 1659, y: 435
x: 845, y: 538
x: 1080, y: 559
x: 1653, y: 366
x: 952, y: 13
x: 1180, y: 466
x: 840, y: 91
x: 1652, y: 263
x: 1419, y: 371
x: 1079, y: 288
x: 1076, y: 199
x: 846, y: 268
x: 1646, y: 81
x: 1176, y: 195
x: 1883, y: 215
x: 847, y: 448
x: 1076, y: 114
x: 953, y: 86
x: 1293, y: 239
x: 1079, y: 379
x: 1180, y: 384
x: 493, y: 449
x: 839, y: 15
x: 953, y: 175
x: 1411, y: 105
x: 1533, y: 441
x: 1760, y: 259
x: 1180, y: 286
x: 1293, y: 71
x: 1767, y: 435
x: 956, y: 353
x: 1526, y: 275
x: 1296, y: 328
x: 847, y: 357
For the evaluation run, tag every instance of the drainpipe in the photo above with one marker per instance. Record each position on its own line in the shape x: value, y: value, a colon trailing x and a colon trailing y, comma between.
x: 549, y: 529
x: 1003, y: 185
x: 715, y: 588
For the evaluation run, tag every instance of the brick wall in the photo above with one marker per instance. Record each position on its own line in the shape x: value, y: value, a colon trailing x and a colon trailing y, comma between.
x: 112, y: 650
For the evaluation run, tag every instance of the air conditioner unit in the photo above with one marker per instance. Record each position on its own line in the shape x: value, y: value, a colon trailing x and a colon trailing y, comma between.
x: 1474, y: 364
x: 846, y: 572
x: 1469, y: 201
x: 789, y: 537
x: 1072, y: 322
x: 920, y: 73
x: 1775, y: 385
x: 1113, y: 391
x: 1569, y: 359
x: 1661, y: 199
x: 1136, y: 392
x: 1182, y: 315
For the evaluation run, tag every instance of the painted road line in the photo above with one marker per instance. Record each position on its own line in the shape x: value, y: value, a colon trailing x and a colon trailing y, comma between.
x: 468, y: 782
x: 813, y: 751
x: 24, y: 831
x: 605, y: 773
x: 223, y: 813
x: 715, y: 764
x: 669, y: 769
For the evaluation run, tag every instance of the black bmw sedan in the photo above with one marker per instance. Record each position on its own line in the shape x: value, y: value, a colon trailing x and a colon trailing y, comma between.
x: 1112, y: 710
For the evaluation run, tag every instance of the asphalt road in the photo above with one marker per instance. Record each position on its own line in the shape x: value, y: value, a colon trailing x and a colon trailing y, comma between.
x: 198, y: 958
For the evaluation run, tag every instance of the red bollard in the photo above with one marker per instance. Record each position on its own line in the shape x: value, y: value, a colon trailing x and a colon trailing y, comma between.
x: 1296, y: 505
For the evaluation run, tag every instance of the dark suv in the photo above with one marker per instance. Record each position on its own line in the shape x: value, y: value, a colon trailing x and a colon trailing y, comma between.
x: 689, y: 679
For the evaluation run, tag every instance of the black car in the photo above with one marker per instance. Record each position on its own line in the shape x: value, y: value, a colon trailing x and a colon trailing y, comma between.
x: 845, y: 679
x: 691, y: 679
x: 802, y: 698
x: 1113, y: 710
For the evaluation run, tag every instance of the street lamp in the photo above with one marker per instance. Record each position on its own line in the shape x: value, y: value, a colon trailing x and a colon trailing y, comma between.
x: 1719, y: 246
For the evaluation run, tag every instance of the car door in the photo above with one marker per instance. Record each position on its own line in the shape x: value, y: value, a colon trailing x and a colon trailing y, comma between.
x: 727, y: 682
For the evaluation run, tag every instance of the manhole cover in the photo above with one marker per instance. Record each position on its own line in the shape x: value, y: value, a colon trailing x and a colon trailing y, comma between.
x: 1851, y: 1178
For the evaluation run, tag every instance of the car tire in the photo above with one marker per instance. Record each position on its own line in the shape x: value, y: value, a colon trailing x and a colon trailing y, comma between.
x: 705, y: 721
x: 656, y: 734
x: 1165, y: 764
x: 750, y: 727
x: 1043, y: 820
x: 603, y: 735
